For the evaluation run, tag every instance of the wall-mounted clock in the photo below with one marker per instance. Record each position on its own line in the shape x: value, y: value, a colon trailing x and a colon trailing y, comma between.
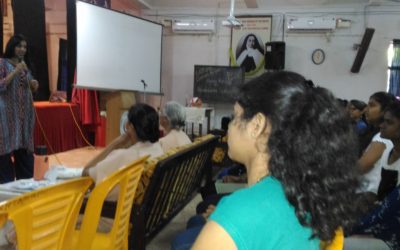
x: 318, y: 56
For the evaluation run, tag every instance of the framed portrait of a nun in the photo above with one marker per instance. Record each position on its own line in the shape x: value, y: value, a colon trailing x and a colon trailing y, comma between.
x: 248, y: 44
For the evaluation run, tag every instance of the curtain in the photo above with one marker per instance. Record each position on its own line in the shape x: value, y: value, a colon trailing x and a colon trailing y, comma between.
x: 30, y: 20
x: 3, y: 8
x: 394, y: 68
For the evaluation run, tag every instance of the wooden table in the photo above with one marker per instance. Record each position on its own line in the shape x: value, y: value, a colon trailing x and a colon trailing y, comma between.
x: 197, y: 116
x: 72, y: 158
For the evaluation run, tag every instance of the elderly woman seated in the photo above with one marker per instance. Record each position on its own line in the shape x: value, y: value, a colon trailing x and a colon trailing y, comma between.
x: 140, y: 139
x: 172, y: 120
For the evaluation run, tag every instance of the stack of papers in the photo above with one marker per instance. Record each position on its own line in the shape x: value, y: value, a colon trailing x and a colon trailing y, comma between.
x: 29, y: 184
x: 62, y: 172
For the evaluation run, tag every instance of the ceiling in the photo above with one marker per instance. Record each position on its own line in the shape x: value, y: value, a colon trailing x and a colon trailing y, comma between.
x: 160, y: 4
x: 222, y: 4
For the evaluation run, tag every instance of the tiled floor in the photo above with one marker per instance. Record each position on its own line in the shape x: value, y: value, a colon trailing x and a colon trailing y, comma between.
x: 164, y: 238
x: 74, y: 158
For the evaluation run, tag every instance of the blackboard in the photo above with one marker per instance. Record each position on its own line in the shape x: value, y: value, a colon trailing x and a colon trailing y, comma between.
x: 218, y: 84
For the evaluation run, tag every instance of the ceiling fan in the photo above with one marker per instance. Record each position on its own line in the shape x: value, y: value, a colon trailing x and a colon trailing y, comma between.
x: 231, y: 21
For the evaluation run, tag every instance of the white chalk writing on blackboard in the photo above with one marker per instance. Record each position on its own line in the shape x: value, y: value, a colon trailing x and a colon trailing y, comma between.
x: 217, y: 83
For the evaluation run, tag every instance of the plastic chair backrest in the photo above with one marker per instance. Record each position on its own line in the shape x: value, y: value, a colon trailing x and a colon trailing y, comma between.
x: 151, y: 164
x: 3, y: 218
x: 127, y: 178
x: 45, y: 219
x: 336, y: 243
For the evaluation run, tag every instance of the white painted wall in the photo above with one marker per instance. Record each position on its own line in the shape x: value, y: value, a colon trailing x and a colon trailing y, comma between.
x: 182, y: 52
x: 334, y: 73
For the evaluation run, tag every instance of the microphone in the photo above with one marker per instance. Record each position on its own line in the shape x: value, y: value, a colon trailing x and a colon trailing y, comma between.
x: 144, y: 83
x: 144, y: 90
x: 25, y: 69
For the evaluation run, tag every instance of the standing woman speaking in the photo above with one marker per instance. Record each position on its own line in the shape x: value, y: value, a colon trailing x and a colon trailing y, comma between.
x: 17, y: 115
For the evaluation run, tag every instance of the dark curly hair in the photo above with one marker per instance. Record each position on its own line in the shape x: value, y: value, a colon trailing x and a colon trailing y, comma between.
x: 144, y: 119
x: 311, y: 146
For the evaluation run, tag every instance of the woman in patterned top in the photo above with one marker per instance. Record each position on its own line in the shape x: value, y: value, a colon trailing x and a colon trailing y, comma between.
x: 382, y: 223
x: 17, y: 115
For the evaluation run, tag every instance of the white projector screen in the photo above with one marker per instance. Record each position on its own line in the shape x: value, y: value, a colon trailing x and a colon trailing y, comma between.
x: 116, y: 51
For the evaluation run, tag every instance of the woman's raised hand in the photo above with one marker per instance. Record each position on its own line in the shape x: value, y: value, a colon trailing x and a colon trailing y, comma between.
x: 21, y: 66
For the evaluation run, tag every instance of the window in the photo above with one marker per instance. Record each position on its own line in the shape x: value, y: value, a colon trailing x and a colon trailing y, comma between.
x: 394, y: 68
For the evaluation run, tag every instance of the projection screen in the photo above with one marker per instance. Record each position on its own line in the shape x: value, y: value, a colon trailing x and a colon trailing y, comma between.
x: 116, y: 51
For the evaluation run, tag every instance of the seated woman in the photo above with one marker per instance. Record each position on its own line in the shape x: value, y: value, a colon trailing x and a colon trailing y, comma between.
x: 390, y: 172
x: 356, y: 111
x: 298, y: 148
x: 173, y: 119
x: 370, y: 161
x: 140, y: 139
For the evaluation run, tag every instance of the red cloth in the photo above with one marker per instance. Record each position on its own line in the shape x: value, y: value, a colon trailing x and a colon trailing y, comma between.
x: 88, y: 106
x: 100, y: 138
x: 58, y: 125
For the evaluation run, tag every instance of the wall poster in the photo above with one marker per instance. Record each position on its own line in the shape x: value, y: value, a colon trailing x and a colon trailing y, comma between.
x: 248, y: 43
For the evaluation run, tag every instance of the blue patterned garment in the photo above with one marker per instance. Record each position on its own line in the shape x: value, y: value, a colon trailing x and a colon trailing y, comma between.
x: 384, y: 221
x: 17, y: 115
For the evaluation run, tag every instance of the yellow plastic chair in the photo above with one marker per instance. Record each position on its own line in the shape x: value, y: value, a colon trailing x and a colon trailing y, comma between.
x: 45, y: 219
x: 87, y: 237
x: 3, y: 218
x: 336, y: 243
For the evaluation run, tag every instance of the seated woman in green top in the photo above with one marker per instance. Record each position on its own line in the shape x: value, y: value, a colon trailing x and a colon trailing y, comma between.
x: 298, y: 148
